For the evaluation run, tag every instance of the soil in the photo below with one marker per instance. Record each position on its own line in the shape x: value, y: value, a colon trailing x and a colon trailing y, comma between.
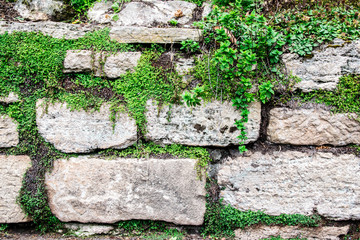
x: 7, y: 11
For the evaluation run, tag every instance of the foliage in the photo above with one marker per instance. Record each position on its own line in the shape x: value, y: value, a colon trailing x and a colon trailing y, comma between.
x: 266, y: 91
x: 173, y: 22
x: 192, y: 98
x: 3, y: 227
x: 221, y: 220
x: 190, y: 46
x: 82, y: 6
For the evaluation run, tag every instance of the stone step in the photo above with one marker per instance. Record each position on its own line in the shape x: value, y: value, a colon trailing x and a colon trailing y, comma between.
x: 312, y: 127
x: 81, y: 131
x: 12, y: 170
x: 211, y: 124
x: 9, y: 136
x: 153, y: 35
x: 293, y: 182
x: 114, y: 65
x: 292, y: 232
x: 90, y: 189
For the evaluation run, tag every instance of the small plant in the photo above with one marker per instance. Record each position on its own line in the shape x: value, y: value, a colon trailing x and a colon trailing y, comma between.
x: 266, y: 91
x: 173, y: 22
x: 192, y: 98
x: 3, y: 227
x: 190, y: 46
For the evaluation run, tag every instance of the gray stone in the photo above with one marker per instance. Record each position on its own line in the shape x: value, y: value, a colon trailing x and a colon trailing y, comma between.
x: 287, y: 232
x: 154, y: 35
x: 98, y: 13
x: 207, y: 8
x: 183, y: 67
x: 312, y: 127
x: 11, y: 98
x: 328, y: 64
x: 86, y: 230
x: 12, y: 170
x: 53, y: 29
x: 211, y: 124
x: 150, y: 13
x: 89, y: 189
x: 114, y: 66
x: 293, y: 182
x: 38, y: 10
x: 81, y: 131
x: 9, y: 136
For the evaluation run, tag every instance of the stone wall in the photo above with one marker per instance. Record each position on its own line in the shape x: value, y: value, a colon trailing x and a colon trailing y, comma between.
x: 298, y: 160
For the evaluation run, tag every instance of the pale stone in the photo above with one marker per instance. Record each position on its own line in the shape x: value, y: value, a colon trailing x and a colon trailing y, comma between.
x: 154, y: 35
x: 323, y: 70
x: 210, y: 124
x: 9, y: 136
x: 287, y: 232
x: 12, y: 170
x: 293, y: 182
x: 183, y: 67
x: 114, y: 66
x: 89, y: 189
x: 11, y: 98
x: 207, y: 8
x: 149, y: 13
x: 53, y: 29
x: 312, y: 127
x: 97, y: 13
x: 80, y: 131
x: 38, y: 10
x: 85, y: 230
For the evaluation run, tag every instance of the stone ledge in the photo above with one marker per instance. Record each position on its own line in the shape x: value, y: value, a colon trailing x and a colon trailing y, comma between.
x: 114, y: 66
x: 89, y: 189
x: 312, y: 127
x: 81, y: 131
x: 211, y: 124
x: 10, y: 98
x: 9, y: 136
x: 293, y: 182
x: 12, y: 170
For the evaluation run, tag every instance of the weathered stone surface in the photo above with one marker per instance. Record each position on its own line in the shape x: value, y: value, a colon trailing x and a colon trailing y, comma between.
x: 98, y: 13
x: 207, y: 8
x: 9, y: 136
x: 54, y: 29
x: 91, y: 189
x: 211, y: 124
x: 149, y: 13
x: 81, y: 131
x: 12, y: 170
x: 324, y: 69
x: 85, y: 230
x: 183, y: 66
x: 287, y: 232
x: 114, y: 65
x: 11, y: 98
x: 153, y: 35
x: 312, y: 127
x: 38, y: 10
x: 293, y: 182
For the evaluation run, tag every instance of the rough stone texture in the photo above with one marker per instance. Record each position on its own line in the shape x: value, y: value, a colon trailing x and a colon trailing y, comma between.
x: 81, y: 131
x: 98, y: 13
x: 11, y: 98
x: 85, y: 230
x: 207, y: 8
x: 115, y: 65
x: 323, y: 70
x: 293, y: 182
x: 38, y: 10
x: 9, y: 136
x: 183, y: 66
x: 91, y: 189
x: 54, y: 29
x: 206, y: 125
x: 150, y: 13
x: 312, y: 127
x: 153, y: 35
x: 12, y: 170
x: 287, y: 232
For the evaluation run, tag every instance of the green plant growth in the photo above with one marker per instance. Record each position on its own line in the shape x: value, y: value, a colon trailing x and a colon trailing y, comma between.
x: 192, y: 98
x: 3, y: 227
x: 173, y: 22
x: 190, y: 46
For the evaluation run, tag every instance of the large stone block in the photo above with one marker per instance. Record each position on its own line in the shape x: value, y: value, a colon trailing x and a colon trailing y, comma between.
x: 10, y: 98
x: 89, y: 189
x: 312, y: 127
x: 38, y: 10
x: 12, y: 170
x: 9, y: 136
x: 293, y: 182
x: 53, y: 29
x: 153, y: 35
x: 211, y: 124
x: 81, y: 131
x: 323, y: 70
x: 292, y: 232
x: 114, y: 66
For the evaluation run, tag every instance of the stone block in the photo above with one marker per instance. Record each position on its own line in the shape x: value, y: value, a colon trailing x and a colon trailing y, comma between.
x: 9, y: 136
